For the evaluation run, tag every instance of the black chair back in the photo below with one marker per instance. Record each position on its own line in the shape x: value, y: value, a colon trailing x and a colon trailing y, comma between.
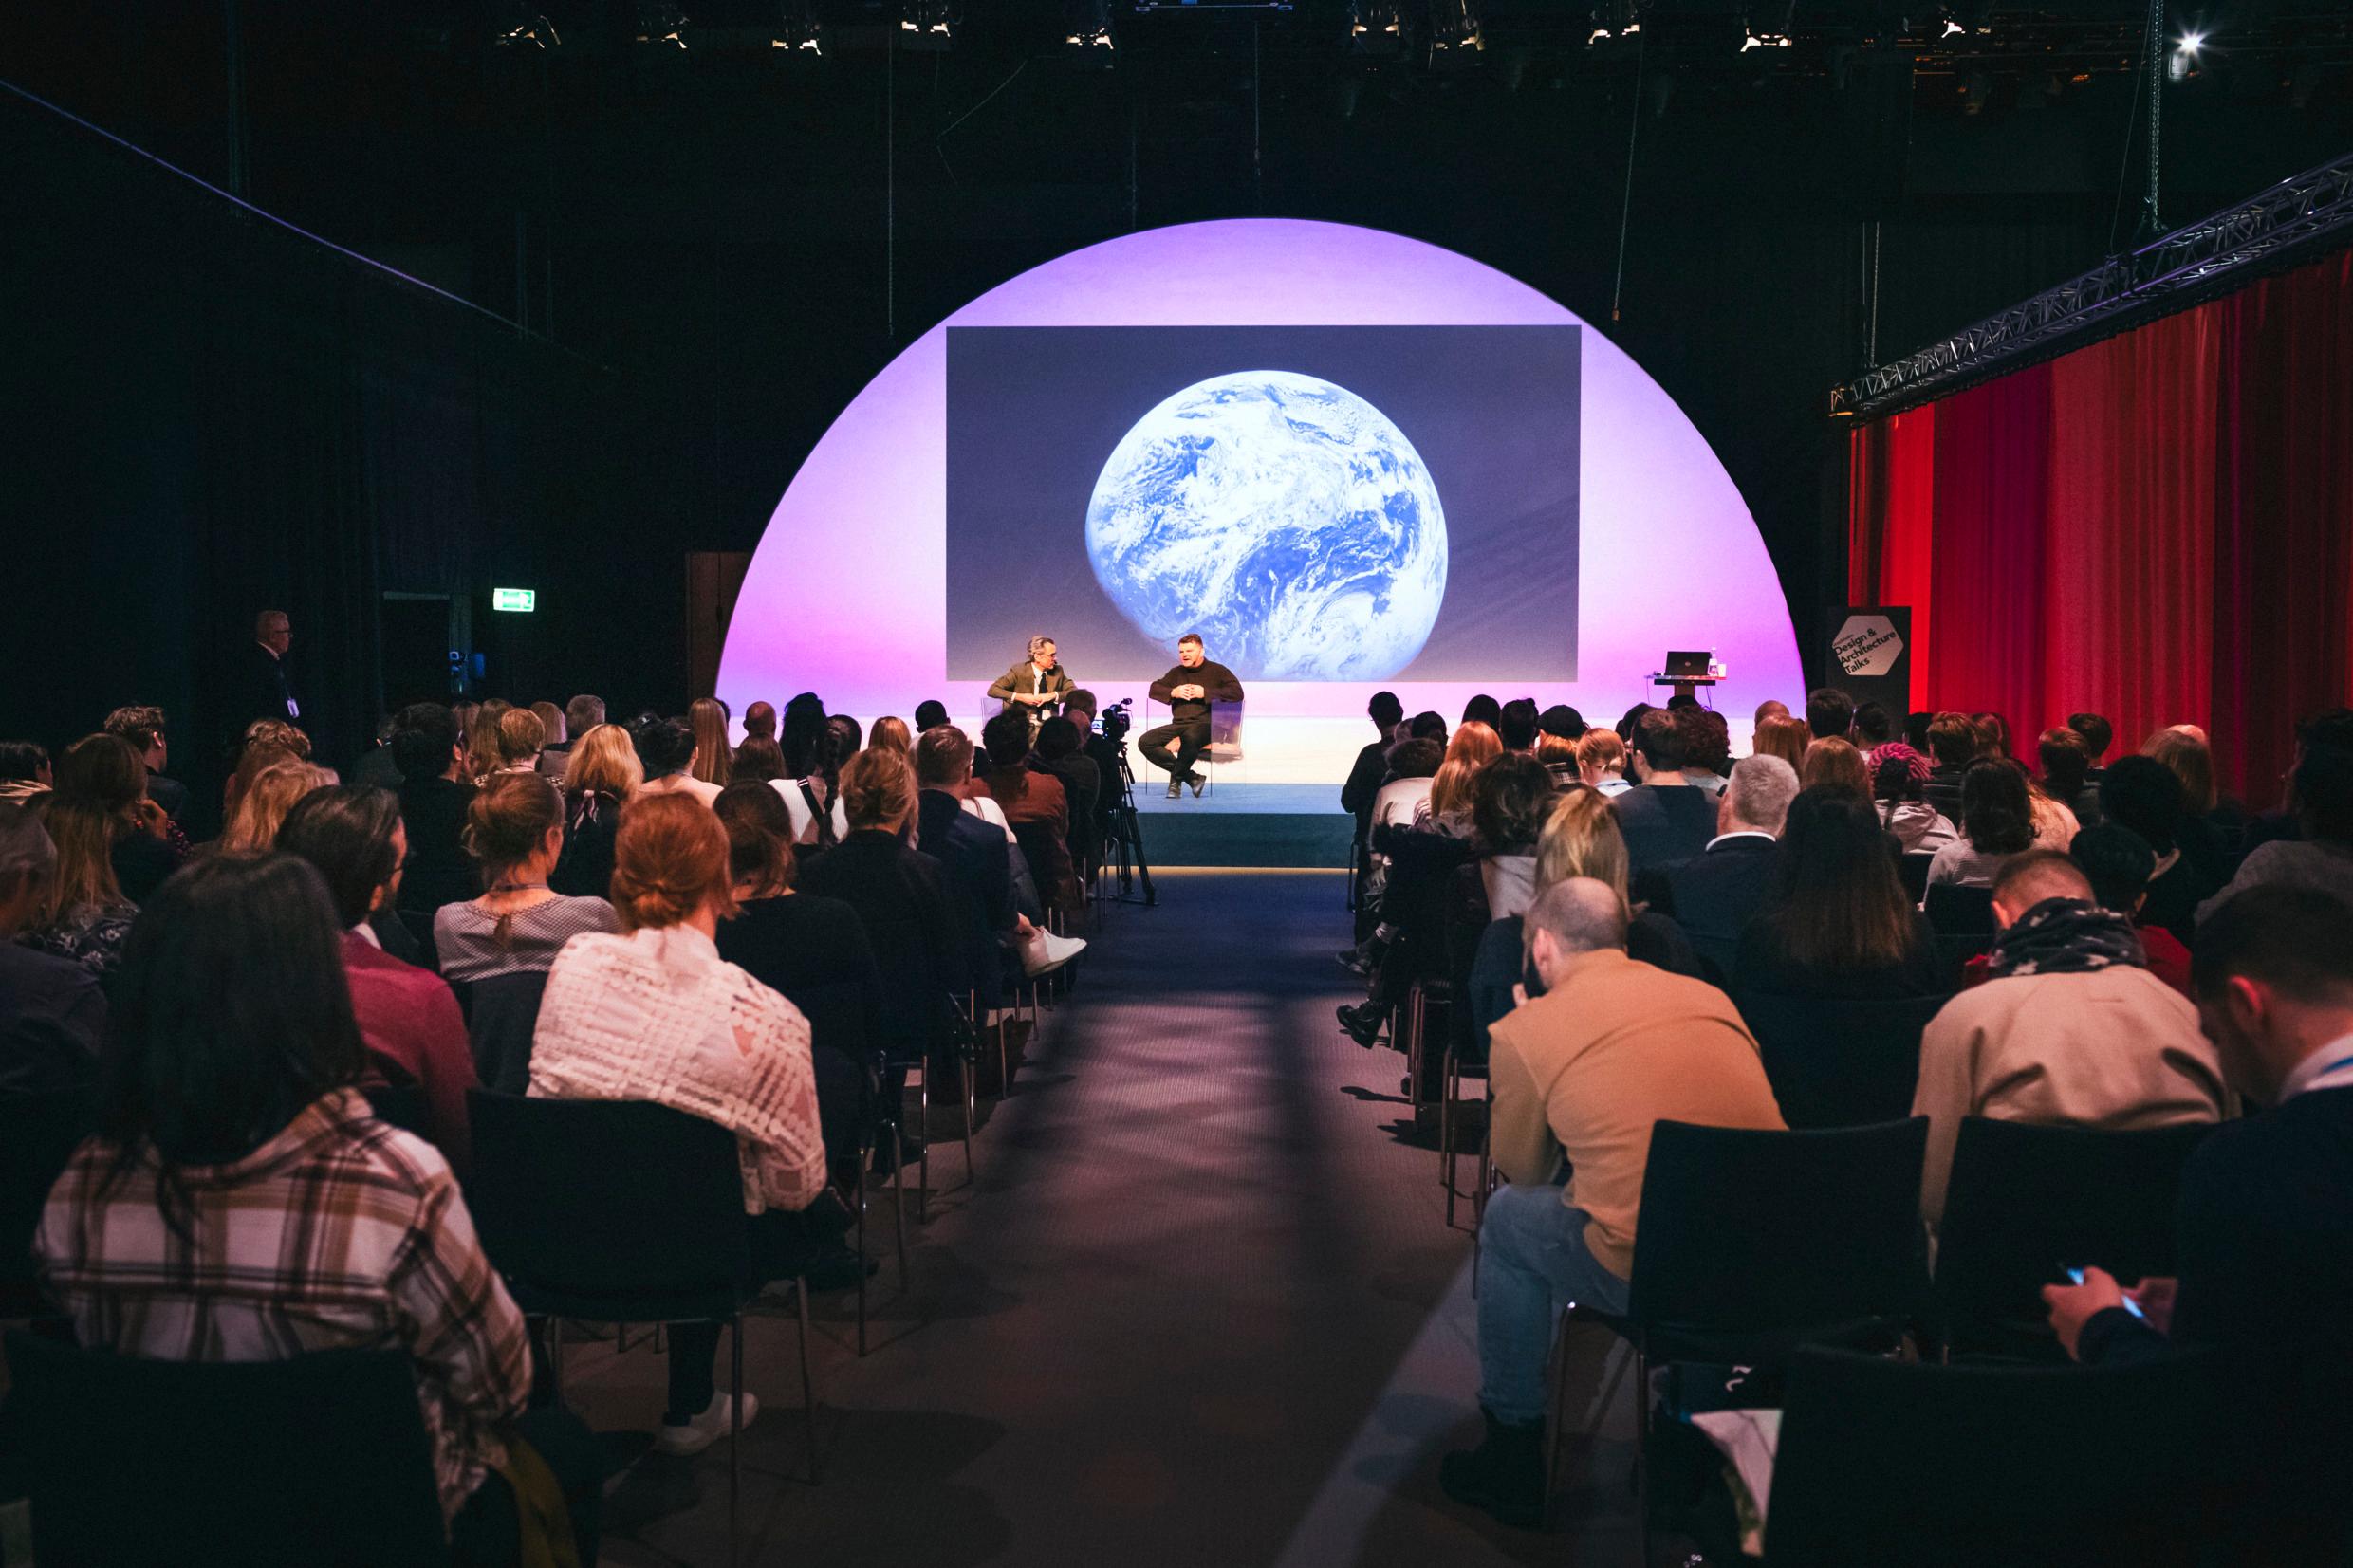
x: 38, y: 1134
x: 1885, y: 1461
x: 1957, y: 911
x: 2027, y: 1202
x: 502, y: 1010
x: 309, y: 1463
x: 403, y: 1105
x: 612, y: 1211
x: 1840, y: 1064
x: 1753, y: 1243
x: 1913, y: 868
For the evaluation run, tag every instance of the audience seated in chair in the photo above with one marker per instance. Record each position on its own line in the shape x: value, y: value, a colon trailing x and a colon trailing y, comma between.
x: 52, y: 1011
x: 601, y: 778
x: 2265, y: 1236
x: 240, y: 1203
x: 1447, y: 808
x: 429, y: 748
x: 1602, y: 762
x: 1371, y: 769
x: 1509, y: 800
x: 2144, y: 795
x: 2118, y: 864
x: 408, y: 1018
x: 1837, y: 926
x: 1997, y: 822
x: 1029, y: 795
x: 1714, y: 895
x: 654, y: 1014
x: 1581, y: 1074
x: 2322, y: 858
x: 2071, y: 1028
x: 1898, y: 784
x: 1829, y: 713
x: 670, y: 753
x: 1664, y: 818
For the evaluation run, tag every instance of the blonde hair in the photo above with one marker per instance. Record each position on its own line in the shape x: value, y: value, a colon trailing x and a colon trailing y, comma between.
x: 714, y: 759
x: 891, y: 732
x: 1836, y: 763
x: 278, y: 733
x: 482, y: 739
x: 1556, y: 750
x: 2183, y: 750
x: 552, y: 717
x: 521, y: 735
x: 1581, y: 838
x: 253, y: 826
x: 1785, y: 737
x: 1474, y: 746
x: 1601, y: 751
x: 605, y: 759
x: 878, y: 789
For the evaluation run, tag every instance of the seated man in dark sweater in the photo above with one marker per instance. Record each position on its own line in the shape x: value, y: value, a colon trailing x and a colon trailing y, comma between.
x: 1188, y: 689
x: 1665, y: 818
x: 2265, y: 1222
x: 434, y: 801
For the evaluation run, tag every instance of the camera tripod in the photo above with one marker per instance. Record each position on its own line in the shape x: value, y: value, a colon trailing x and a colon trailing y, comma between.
x: 1128, y: 837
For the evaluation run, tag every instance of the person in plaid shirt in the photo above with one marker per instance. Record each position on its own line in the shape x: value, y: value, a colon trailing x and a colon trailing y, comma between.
x: 240, y: 1203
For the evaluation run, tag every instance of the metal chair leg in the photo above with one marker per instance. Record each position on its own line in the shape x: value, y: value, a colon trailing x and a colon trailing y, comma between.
x: 923, y: 1160
x: 972, y: 1113
x: 1005, y: 1059
x: 808, y: 1386
x: 735, y: 1439
x: 1447, y: 1084
x: 555, y: 1358
x: 866, y: 1164
x: 1556, y: 1415
x: 898, y: 1198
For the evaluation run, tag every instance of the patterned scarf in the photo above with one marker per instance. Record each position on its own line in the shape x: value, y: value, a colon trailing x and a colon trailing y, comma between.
x: 2066, y: 937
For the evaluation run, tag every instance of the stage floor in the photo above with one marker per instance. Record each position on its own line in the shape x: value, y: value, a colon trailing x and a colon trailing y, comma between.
x: 1235, y: 823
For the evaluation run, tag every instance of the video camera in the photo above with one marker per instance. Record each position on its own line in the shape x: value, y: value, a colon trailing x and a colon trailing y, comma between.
x: 1116, y: 721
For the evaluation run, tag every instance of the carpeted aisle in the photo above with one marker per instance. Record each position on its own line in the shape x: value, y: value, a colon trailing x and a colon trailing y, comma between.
x: 1201, y: 1307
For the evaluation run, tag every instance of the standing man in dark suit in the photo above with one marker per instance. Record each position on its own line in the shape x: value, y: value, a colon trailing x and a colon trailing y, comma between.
x: 1188, y: 689
x: 262, y: 688
x: 1037, y: 683
x: 1715, y: 892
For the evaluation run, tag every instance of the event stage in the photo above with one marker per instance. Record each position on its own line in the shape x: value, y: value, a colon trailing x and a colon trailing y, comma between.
x: 1243, y: 825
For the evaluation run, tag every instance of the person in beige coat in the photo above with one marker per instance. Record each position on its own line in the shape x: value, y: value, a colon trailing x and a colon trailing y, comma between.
x: 2072, y: 1030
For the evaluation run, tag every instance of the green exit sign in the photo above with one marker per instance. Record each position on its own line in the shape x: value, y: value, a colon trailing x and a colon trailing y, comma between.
x: 525, y: 600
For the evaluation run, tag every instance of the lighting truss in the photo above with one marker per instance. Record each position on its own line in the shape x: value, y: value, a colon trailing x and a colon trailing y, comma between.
x: 2309, y: 214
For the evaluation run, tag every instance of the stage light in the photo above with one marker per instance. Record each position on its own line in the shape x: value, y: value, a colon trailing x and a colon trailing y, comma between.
x: 2191, y: 43
x: 1598, y: 34
x: 1952, y: 27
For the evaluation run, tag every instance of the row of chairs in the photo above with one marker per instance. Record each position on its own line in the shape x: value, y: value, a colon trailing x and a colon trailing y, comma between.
x: 1754, y: 1245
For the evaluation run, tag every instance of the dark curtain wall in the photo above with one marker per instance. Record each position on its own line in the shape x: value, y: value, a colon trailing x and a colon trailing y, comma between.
x: 207, y: 416
x: 2153, y: 527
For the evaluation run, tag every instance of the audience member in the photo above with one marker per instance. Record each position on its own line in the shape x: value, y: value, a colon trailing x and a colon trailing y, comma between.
x: 812, y: 952
x: 1714, y: 895
x: 1915, y: 731
x: 1509, y: 799
x: 1030, y: 797
x: 1770, y: 709
x: 1663, y: 818
x: 2119, y: 864
x: 25, y: 772
x: 2323, y: 859
x: 1707, y: 748
x: 1779, y: 735
x: 1829, y: 713
x: 2210, y: 825
x: 2072, y: 1028
x: 520, y: 737
x: 759, y: 760
x: 514, y: 832
x: 2145, y: 795
x: 1873, y: 728
x: 602, y: 777
x: 240, y: 1203
x: 376, y: 768
x: 262, y: 807
x: 102, y: 790
x: 1427, y: 726
x: 1515, y: 726
x: 1630, y: 718
x: 654, y: 1014
x: 52, y: 1011
x: 1060, y: 754
x: 141, y: 730
x: 976, y: 874
x: 1579, y: 1077
x: 714, y: 751
x: 890, y: 733
x: 845, y: 738
x: 1602, y: 762
x: 581, y: 714
x: 483, y: 754
x: 435, y: 798
x: 408, y: 1019
x: 554, y: 730
x: 1558, y: 755
x: 1562, y: 722
x: 2098, y: 736
x: 1834, y: 763
x: 808, y: 785
x: 2264, y: 1233
x: 2332, y: 728
x: 760, y: 721
x: 1371, y: 767
x: 2067, y: 771
x: 1992, y: 736
x: 1448, y: 808
x: 2055, y: 825
x: 1482, y: 709
x: 670, y: 754
x: 1954, y: 744
x: 1997, y: 823
x: 1899, y: 778
x: 931, y: 712
x: 1837, y: 924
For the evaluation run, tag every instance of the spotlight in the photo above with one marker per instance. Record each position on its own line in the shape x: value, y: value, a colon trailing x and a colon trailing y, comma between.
x: 1952, y: 27
x: 2191, y: 43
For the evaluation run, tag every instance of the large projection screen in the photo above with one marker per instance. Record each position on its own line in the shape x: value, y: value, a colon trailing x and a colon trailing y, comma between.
x: 1351, y: 460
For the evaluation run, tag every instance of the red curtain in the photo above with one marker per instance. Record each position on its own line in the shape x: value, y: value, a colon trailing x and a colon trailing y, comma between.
x: 2157, y: 529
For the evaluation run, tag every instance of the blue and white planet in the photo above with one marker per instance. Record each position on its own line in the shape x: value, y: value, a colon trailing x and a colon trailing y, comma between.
x: 1284, y: 519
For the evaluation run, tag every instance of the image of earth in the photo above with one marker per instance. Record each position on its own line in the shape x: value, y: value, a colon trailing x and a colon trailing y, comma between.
x: 1286, y: 519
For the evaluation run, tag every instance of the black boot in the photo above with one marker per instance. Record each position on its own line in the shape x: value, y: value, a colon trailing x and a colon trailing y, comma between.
x: 1363, y: 1022
x: 1504, y: 1475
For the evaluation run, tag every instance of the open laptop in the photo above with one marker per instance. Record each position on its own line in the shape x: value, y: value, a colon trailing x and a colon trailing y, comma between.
x: 1688, y: 665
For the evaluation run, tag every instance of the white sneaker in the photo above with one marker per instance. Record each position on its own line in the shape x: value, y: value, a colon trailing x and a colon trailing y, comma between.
x: 706, y: 1429
x: 1044, y: 952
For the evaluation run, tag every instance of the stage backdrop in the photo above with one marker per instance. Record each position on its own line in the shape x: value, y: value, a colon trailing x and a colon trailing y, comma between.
x: 2153, y: 528
x: 1347, y: 459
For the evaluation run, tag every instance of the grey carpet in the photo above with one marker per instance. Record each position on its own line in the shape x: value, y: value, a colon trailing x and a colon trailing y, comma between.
x: 1200, y: 1308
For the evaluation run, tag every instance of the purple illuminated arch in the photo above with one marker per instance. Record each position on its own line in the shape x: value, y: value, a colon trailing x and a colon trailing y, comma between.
x: 846, y: 594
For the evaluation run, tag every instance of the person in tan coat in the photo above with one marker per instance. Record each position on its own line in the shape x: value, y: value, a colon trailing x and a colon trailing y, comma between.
x: 1582, y: 1073
x: 2071, y: 1030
